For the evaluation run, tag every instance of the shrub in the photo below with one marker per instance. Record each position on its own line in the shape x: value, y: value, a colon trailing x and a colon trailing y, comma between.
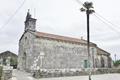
x: 116, y: 63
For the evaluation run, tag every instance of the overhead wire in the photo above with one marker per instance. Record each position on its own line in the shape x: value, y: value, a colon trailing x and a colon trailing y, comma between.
x: 104, y: 20
x: 108, y: 24
x: 80, y: 2
x: 11, y: 17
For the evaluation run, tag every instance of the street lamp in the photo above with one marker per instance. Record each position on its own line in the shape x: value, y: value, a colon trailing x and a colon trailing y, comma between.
x: 88, y: 8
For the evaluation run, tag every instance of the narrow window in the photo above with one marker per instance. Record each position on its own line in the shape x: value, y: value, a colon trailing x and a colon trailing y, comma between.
x: 85, y: 63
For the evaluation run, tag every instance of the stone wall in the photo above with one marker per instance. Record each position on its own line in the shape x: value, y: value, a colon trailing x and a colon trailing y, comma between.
x: 60, y: 55
x: 7, y: 74
x: 25, y: 51
x: 80, y: 72
x: 105, y: 60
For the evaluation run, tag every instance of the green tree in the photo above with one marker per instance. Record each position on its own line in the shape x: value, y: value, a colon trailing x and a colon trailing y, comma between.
x: 4, y: 61
x: 13, y: 61
x: 116, y: 63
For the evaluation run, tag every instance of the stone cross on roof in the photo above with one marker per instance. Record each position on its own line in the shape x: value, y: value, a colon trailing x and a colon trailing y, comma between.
x: 28, y: 15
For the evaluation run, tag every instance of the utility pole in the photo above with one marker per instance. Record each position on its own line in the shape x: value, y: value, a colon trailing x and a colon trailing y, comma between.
x: 88, y: 8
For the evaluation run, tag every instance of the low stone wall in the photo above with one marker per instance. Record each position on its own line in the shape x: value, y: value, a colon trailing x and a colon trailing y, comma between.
x: 62, y: 73
x: 106, y: 70
x: 1, y: 71
x: 43, y: 74
x: 7, y: 74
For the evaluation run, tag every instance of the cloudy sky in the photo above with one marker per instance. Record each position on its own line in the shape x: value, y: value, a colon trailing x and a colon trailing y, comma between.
x: 61, y: 17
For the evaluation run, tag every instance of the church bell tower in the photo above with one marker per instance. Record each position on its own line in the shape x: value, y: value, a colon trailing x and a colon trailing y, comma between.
x: 30, y: 23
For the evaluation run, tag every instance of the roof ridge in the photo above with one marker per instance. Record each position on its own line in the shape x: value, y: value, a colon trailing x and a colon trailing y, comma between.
x: 63, y: 38
x: 59, y: 35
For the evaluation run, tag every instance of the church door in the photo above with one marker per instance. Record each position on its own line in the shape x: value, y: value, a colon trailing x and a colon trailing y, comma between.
x: 109, y: 62
x: 102, y: 62
x: 24, y: 61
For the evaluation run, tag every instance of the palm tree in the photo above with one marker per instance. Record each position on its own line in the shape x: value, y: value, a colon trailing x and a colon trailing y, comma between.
x: 88, y: 8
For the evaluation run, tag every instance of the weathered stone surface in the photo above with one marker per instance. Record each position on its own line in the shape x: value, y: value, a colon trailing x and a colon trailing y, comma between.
x: 7, y: 74
x: 59, y: 73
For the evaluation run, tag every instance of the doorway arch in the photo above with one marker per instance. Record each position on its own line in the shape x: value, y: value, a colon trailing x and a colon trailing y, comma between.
x: 102, y: 62
x: 24, y: 61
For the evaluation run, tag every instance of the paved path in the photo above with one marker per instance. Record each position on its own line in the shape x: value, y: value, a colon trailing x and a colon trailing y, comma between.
x: 94, y: 77
x: 18, y: 75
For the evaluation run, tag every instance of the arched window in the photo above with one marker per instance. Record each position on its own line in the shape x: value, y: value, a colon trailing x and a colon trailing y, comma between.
x: 25, y: 38
x: 102, y: 62
x: 109, y: 62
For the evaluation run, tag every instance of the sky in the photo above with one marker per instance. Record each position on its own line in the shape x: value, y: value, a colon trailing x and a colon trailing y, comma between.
x: 61, y: 17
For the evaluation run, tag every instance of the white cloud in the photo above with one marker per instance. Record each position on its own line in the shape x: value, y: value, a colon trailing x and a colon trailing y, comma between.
x: 60, y: 17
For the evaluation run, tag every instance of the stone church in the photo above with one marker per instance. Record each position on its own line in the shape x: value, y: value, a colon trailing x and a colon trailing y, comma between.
x: 40, y: 50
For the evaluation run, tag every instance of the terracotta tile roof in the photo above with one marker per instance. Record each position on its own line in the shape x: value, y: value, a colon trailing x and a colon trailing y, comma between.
x: 61, y: 38
x: 8, y: 53
x: 102, y: 52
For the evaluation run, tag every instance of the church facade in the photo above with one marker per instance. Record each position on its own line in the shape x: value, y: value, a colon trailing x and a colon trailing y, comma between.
x: 40, y: 50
